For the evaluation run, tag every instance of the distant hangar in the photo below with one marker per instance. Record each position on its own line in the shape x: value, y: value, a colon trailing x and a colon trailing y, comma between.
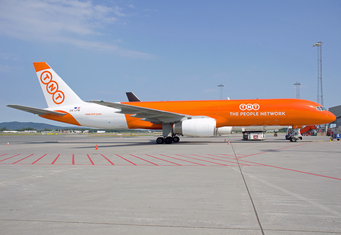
x: 337, y: 112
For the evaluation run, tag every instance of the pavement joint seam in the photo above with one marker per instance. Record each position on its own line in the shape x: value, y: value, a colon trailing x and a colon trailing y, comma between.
x: 128, y: 224
x: 167, y: 226
x: 248, y: 191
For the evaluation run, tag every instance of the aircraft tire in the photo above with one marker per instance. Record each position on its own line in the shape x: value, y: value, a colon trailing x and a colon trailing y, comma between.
x: 160, y: 140
x: 168, y: 140
x: 176, y: 139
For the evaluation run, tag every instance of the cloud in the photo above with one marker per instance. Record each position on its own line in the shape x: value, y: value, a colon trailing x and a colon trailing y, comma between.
x: 5, y: 68
x: 99, y: 46
x: 7, y: 56
x: 64, y: 21
x: 151, y: 10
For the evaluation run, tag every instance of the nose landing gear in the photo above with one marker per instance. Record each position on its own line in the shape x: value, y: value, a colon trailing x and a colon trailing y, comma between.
x: 293, y: 134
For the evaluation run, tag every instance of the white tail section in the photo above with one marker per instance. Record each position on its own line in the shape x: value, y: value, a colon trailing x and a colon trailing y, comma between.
x: 57, y: 93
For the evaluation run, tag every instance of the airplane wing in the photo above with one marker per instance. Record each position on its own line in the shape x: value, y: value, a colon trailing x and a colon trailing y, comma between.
x: 35, y: 110
x: 147, y: 114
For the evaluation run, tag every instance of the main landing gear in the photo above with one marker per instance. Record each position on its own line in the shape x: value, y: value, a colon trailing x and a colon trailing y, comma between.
x: 165, y: 138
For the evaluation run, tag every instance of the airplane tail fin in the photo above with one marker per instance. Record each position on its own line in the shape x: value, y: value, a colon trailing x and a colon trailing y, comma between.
x: 132, y: 97
x: 56, y: 92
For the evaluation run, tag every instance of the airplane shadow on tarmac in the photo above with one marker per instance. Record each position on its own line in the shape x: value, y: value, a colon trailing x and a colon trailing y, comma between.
x: 105, y: 144
x: 130, y: 144
x: 149, y: 142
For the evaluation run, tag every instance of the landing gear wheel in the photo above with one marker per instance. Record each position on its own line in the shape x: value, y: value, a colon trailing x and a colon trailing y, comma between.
x: 168, y: 140
x: 293, y: 139
x: 176, y: 139
x: 160, y: 140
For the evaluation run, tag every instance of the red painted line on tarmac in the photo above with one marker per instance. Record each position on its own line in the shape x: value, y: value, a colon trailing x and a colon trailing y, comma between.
x: 202, y: 160
x: 235, y: 163
x: 55, y: 159
x: 229, y: 155
x: 183, y: 160
x: 163, y: 160
x: 39, y: 159
x: 91, y: 160
x: 22, y: 159
x: 3, y: 155
x: 125, y: 159
x: 144, y: 160
x: 107, y: 159
x: 298, y: 171
x: 291, y: 146
x: 73, y: 159
x: 9, y: 157
x: 231, y: 158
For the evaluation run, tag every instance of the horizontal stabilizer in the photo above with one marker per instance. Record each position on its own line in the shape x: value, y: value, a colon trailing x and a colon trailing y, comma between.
x: 153, y: 115
x: 35, y: 110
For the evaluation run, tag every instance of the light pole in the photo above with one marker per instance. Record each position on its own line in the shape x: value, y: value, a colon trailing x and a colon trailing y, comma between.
x: 221, y: 86
x: 297, y: 84
x: 319, y: 72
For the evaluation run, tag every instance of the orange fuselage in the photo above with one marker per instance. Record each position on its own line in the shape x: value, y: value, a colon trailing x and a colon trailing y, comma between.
x: 255, y: 112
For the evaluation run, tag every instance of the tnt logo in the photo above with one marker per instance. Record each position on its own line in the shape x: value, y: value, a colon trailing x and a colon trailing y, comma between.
x: 52, y: 87
x: 249, y: 107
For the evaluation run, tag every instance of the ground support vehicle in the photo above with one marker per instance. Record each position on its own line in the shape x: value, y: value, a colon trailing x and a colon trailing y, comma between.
x: 254, y: 135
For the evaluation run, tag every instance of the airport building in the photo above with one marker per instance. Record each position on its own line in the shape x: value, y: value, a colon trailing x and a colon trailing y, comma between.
x: 337, y: 112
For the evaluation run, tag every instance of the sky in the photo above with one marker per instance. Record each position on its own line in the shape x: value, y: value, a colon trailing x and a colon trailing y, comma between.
x: 168, y: 50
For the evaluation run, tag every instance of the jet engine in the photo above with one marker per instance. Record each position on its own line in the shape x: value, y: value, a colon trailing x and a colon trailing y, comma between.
x: 224, y: 130
x: 196, y: 127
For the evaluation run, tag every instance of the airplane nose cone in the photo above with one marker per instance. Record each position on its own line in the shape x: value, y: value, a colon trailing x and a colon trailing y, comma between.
x: 330, y: 117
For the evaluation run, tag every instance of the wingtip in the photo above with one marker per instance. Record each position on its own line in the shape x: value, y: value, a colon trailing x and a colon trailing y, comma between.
x: 95, y: 101
x: 38, y: 66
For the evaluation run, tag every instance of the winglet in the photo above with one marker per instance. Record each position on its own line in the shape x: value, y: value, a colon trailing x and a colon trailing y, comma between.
x: 40, y: 66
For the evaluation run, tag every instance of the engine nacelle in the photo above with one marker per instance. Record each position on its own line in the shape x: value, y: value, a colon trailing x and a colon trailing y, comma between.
x: 196, y: 127
x: 224, y: 130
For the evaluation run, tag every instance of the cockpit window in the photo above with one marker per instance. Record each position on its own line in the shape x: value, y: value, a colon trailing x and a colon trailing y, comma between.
x: 320, y: 108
